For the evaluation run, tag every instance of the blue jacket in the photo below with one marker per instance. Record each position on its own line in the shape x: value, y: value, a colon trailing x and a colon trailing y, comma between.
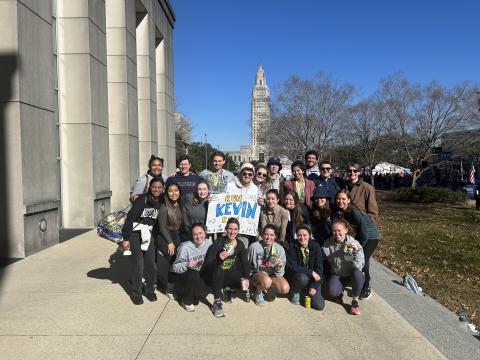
x: 332, y: 185
x: 315, y: 262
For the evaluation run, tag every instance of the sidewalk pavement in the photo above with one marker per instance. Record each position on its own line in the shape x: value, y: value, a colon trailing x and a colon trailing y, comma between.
x: 70, y: 302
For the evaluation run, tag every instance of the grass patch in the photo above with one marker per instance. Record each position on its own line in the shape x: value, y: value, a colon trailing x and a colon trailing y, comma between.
x: 437, y: 243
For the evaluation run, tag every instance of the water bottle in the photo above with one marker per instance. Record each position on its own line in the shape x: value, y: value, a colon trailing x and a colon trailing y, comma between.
x: 308, y: 302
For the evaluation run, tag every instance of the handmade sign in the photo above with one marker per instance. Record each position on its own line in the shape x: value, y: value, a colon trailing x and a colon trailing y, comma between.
x: 224, y: 206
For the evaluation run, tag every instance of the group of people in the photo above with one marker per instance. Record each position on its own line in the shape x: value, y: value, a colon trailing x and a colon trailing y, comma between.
x: 316, y: 235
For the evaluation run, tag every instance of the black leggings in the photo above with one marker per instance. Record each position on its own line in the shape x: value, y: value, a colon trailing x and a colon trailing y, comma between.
x: 368, y: 250
x: 165, y: 261
x: 143, y: 264
x: 223, y: 278
x: 189, y: 286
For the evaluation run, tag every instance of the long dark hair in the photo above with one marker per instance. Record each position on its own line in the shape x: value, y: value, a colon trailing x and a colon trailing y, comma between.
x: 173, y: 223
x: 152, y: 159
x: 154, y: 180
x: 297, y: 211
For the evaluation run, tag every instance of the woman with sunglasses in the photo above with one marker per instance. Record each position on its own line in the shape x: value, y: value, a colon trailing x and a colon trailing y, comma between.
x: 260, y: 180
x: 363, y: 194
x: 366, y: 232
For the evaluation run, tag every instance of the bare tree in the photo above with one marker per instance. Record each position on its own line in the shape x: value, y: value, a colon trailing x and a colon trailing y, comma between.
x: 419, y: 116
x: 367, y: 128
x: 306, y: 113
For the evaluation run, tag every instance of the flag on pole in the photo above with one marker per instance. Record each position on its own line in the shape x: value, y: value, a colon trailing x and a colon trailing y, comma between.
x: 461, y: 171
x: 471, y: 175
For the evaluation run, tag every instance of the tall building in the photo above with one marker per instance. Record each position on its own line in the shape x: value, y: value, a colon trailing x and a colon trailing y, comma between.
x: 86, y: 98
x: 260, y: 115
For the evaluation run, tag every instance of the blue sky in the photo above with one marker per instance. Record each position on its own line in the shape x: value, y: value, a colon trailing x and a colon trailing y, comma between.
x: 219, y: 44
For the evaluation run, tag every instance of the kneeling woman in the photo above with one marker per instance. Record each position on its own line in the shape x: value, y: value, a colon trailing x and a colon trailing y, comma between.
x: 305, y: 268
x: 138, y: 238
x: 187, y: 267
x: 267, y: 260
x: 227, y: 265
x: 345, y: 256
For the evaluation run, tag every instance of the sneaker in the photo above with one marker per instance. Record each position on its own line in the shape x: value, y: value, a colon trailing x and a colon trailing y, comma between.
x: 366, y: 293
x: 227, y: 295
x: 271, y: 295
x: 339, y: 299
x: 217, y: 309
x: 151, y: 297
x: 259, y: 300
x: 188, y: 308
x: 295, y: 300
x: 170, y: 291
x: 355, y: 308
x: 137, y: 300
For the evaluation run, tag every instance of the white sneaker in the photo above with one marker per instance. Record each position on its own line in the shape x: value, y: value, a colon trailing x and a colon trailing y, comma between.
x: 170, y: 291
x: 188, y: 308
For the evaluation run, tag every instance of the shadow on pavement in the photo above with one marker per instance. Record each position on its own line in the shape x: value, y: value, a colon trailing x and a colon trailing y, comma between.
x: 117, y: 273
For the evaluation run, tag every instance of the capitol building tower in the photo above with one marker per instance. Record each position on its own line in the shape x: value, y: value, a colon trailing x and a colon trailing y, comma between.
x: 260, y: 116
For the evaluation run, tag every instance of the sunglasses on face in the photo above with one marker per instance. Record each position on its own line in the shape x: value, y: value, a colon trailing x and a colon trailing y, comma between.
x: 264, y: 175
x: 248, y: 174
x: 352, y: 171
x: 326, y: 169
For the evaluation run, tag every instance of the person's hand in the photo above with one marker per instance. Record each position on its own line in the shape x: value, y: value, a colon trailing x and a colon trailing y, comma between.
x: 315, y: 276
x: 261, y: 201
x: 354, y: 246
x: 171, y: 249
x: 133, y: 197
x: 278, y: 263
x: 223, y: 255
x: 125, y: 245
x: 312, y: 291
x: 209, y: 197
x: 192, y: 263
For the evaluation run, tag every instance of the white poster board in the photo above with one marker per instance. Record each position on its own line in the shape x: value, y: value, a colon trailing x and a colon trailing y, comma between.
x: 224, y: 206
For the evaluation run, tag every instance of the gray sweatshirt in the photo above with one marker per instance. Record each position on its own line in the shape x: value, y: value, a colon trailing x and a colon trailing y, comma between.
x: 190, y: 251
x: 217, y: 182
x: 261, y: 260
x: 342, y: 262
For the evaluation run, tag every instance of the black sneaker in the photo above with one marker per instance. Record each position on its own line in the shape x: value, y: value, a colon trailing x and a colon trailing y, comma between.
x: 151, y: 297
x: 366, y: 293
x: 271, y: 295
x: 137, y: 300
x: 227, y: 295
x: 217, y: 309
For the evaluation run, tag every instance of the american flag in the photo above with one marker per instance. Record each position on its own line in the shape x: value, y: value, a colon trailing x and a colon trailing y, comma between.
x: 471, y: 175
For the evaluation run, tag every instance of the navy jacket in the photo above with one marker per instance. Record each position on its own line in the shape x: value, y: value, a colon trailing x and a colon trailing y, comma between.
x: 315, y: 262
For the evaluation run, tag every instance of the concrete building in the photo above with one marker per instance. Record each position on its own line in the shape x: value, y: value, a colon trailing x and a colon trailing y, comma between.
x: 260, y: 123
x: 90, y: 98
x: 260, y: 115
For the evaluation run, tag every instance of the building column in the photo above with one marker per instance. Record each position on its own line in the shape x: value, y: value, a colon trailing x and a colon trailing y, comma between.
x: 83, y: 112
x: 165, y: 103
x: 122, y: 98
x: 146, y: 90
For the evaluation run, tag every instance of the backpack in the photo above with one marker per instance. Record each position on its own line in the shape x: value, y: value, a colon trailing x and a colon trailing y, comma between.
x: 410, y: 283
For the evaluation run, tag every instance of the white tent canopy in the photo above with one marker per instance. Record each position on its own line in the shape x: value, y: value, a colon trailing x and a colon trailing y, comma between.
x: 388, y: 168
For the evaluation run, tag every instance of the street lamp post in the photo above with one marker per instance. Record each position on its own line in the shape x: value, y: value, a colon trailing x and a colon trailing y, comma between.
x: 206, y: 152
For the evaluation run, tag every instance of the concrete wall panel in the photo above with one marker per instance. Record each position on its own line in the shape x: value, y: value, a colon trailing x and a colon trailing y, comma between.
x: 77, y: 8
x: 97, y: 40
x: 101, y: 163
x: 75, y: 35
x: 36, y: 60
x: 99, y: 97
x: 118, y: 108
x: 39, y: 157
x: 117, y: 69
x: 75, y: 100
x: 40, y: 8
x: 35, y: 239
x: 96, y: 13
